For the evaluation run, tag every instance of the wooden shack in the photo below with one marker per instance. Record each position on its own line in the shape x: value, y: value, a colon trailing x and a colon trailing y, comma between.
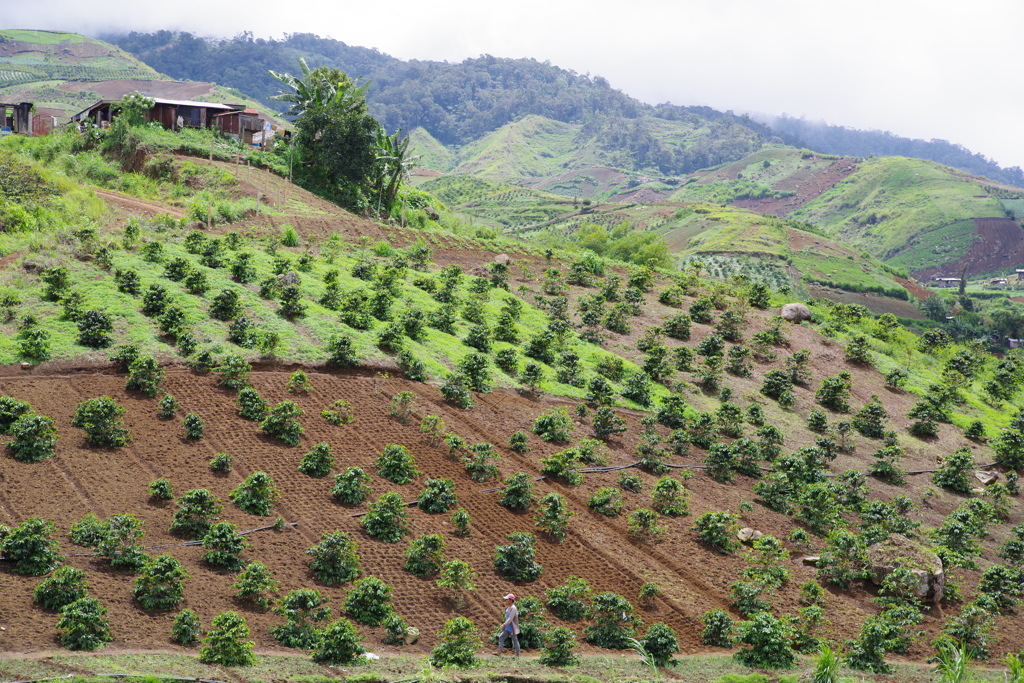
x: 171, y: 114
x: 240, y: 124
x: 16, y: 118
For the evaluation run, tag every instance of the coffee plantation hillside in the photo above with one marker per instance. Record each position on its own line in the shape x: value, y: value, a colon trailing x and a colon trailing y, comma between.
x: 222, y: 390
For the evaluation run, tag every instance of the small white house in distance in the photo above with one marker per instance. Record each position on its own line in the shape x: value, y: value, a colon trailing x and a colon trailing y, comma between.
x: 938, y: 281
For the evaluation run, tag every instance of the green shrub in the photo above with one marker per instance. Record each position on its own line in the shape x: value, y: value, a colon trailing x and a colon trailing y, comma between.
x: 302, y: 609
x: 194, y: 427
x: 369, y: 601
x: 717, y: 529
x: 338, y: 644
x: 283, y: 424
x: 386, y: 519
x: 94, y: 330
x: 438, y: 496
x: 478, y: 464
x: 63, y: 587
x: 457, y: 577
x: 225, y: 642
x: 396, y: 464
x: 643, y: 525
x: 660, y: 643
x: 29, y: 547
x: 253, y: 582
x: 460, y: 521
x: 519, y: 442
x: 221, y: 463
x: 335, y: 559
x: 558, y: 648
x: 614, y: 622
x: 459, y: 644
x: 196, y: 510
x: 223, y: 544
x: 569, y: 601
x: 159, y: 586
x: 553, y: 516
x: 84, y: 625
x: 516, y: 561
x: 955, y: 473
x: 101, y: 418
x: 161, y: 489
x: 718, y: 628
x: 318, y: 462
x: 669, y: 497
x: 351, y: 486
x: 768, y: 638
x: 35, y: 438
x: 256, y: 495
x: 554, y: 425
x: 834, y: 392
x: 606, y: 501
x: 186, y: 629
x: 425, y: 555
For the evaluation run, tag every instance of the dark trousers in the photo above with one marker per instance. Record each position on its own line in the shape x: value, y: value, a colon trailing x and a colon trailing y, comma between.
x: 501, y: 641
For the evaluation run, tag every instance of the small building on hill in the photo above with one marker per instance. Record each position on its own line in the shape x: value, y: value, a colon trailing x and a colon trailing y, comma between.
x: 171, y: 114
x: 16, y: 118
x: 938, y: 281
x: 240, y: 124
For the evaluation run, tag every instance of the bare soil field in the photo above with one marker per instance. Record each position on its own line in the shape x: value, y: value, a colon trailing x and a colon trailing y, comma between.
x: 999, y: 245
x: 807, y: 187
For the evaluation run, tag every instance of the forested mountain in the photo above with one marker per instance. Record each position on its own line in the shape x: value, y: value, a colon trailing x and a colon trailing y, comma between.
x: 459, y: 103
x: 829, y: 139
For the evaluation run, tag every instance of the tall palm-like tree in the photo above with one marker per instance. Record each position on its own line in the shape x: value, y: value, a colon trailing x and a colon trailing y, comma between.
x: 393, y: 165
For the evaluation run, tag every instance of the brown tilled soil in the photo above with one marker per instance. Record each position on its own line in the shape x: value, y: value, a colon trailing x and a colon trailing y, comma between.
x: 694, y: 579
x: 999, y: 245
x: 807, y: 186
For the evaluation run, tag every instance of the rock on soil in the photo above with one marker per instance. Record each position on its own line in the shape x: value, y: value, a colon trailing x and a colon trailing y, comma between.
x: 796, y: 313
x: 900, y: 551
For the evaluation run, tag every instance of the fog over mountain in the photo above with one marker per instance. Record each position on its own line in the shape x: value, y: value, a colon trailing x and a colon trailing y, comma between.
x: 920, y: 71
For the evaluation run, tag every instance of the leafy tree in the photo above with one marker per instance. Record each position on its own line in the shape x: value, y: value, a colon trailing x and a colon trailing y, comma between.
x: 101, y: 418
x: 843, y: 559
x: 606, y: 501
x: 223, y: 544
x: 256, y: 495
x: 84, y: 625
x: 660, y: 643
x: 351, y: 486
x: 396, y: 464
x: 459, y: 644
x: 768, y: 638
x: 338, y: 644
x: 338, y: 413
x: 558, y: 648
x: 335, y: 559
x: 168, y: 407
x: 515, y: 561
x: 318, y: 462
x: 518, y: 492
x: 460, y: 521
x: 457, y: 577
x: 643, y: 524
x: 369, y: 601
x: 186, y: 629
x: 35, y: 438
x: 225, y: 642
x: 834, y: 392
x: 29, y: 547
x: 438, y: 496
x: 340, y: 351
x: 553, y: 516
x: 387, y: 519
x: 955, y: 473
x: 614, y: 622
x: 63, y: 587
x: 254, y: 582
x: 669, y: 497
x: 234, y: 371
x: 302, y: 609
x: 716, y: 529
x: 94, y: 330
x: 196, y: 510
x: 159, y: 586
x: 194, y: 427
x: 606, y: 423
x: 569, y: 601
x: 221, y: 463
x: 425, y: 555
x: 282, y: 422
x: 226, y: 305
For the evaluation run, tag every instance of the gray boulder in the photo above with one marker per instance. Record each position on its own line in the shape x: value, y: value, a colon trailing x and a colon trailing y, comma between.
x: 796, y: 313
x: 923, y: 563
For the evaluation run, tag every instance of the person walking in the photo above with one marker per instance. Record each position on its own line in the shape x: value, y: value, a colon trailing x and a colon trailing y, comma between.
x: 511, y: 625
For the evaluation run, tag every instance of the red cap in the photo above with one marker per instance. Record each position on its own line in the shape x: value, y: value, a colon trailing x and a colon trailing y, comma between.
x: 511, y: 597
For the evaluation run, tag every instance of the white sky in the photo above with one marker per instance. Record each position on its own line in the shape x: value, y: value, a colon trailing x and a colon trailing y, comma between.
x: 922, y: 69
